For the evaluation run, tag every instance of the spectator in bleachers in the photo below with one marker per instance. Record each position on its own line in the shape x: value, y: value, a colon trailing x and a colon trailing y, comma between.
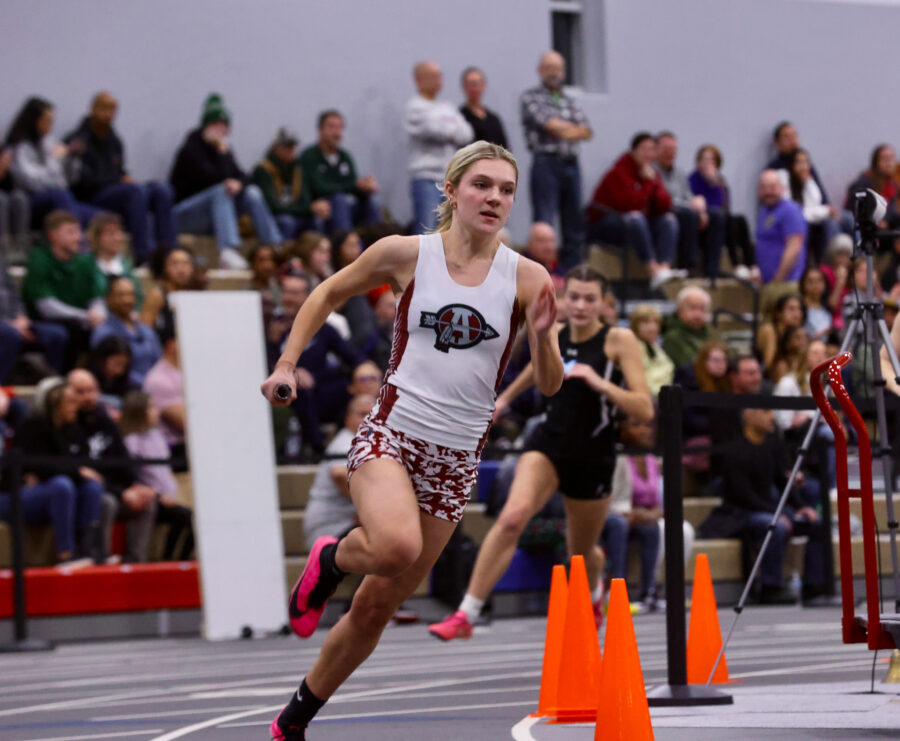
x: 55, y: 432
x: 698, y: 224
x: 757, y: 470
x: 40, y: 160
x: 485, y: 124
x: 174, y: 271
x: 144, y: 439
x: 329, y: 175
x: 707, y: 181
x: 786, y: 312
x: 99, y: 177
x: 283, y: 184
x: 107, y: 241
x: 880, y: 178
x: 554, y: 123
x: 210, y: 187
x: 631, y: 207
x: 635, y: 508
x: 20, y: 334
x: 745, y: 375
x: 543, y: 248
x: 796, y: 383
x: 15, y: 211
x: 165, y: 385
x: 787, y: 141
x: 780, y: 232
x: 790, y: 352
x: 346, y: 246
x: 689, y: 327
x: 322, y: 392
x: 134, y: 502
x: 377, y: 346
x: 436, y: 130
x: 109, y: 361
x: 836, y: 269
x: 366, y: 379
x: 312, y: 255
x: 62, y: 286
x: 813, y: 291
x: 823, y: 220
x: 264, y: 265
x: 121, y: 322
x: 330, y: 510
x: 646, y: 323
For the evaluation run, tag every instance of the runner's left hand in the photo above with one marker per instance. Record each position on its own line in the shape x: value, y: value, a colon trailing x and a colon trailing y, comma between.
x: 542, y: 312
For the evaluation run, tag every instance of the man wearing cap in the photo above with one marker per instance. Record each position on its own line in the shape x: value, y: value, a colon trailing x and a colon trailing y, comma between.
x: 281, y: 180
x: 340, y: 199
x: 210, y: 191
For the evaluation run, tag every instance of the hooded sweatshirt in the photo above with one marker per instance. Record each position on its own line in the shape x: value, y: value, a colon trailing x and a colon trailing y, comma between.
x: 200, y: 165
x: 623, y: 189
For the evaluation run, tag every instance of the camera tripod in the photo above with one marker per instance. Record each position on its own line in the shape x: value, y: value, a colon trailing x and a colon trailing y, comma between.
x: 867, y: 324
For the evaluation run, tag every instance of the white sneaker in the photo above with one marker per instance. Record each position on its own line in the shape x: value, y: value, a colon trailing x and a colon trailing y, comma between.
x: 231, y: 259
x: 742, y: 272
x: 679, y: 273
x: 662, y: 275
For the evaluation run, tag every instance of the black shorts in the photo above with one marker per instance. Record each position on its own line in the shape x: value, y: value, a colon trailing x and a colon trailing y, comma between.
x: 586, y: 477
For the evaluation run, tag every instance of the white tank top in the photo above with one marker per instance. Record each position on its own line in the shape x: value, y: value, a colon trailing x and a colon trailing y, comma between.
x: 451, y: 345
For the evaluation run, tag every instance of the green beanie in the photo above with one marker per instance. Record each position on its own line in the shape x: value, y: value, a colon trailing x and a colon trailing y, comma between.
x: 214, y: 111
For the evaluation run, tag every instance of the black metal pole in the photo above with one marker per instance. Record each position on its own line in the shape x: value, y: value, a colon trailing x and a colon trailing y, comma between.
x: 21, y: 642
x: 678, y: 692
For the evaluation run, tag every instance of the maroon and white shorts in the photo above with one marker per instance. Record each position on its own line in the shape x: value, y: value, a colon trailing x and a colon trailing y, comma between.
x: 441, y: 477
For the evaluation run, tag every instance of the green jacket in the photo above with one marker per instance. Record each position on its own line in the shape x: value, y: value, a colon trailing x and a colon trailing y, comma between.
x: 325, y: 180
x: 76, y: 282
x: 283, y: 186
x: 681, y: 342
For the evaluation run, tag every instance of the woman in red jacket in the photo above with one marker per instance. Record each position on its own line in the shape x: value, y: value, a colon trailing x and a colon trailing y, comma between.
x: 632, y: 206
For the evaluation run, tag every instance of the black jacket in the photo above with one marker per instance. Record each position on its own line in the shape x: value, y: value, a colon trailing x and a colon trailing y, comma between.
x: 38, y: 436
x: 105, y: 441
x: 102, y: 161
x: 200, y: 165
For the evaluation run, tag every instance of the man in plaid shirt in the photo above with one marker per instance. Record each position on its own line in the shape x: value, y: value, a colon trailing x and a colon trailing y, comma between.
x: 554, y: 123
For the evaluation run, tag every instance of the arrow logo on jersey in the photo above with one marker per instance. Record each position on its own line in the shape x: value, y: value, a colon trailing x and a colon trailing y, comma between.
x: 457, y: 325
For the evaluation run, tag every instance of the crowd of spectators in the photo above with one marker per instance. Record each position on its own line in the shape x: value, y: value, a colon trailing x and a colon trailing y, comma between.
x: 84, y: 314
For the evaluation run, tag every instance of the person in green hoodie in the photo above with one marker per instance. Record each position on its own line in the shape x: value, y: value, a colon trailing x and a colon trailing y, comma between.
x: 332, y: 181
x: 281, y: 180
x: 689, y: 327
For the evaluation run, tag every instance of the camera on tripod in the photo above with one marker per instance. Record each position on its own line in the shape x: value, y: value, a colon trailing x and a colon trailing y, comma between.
x: 869, y: 208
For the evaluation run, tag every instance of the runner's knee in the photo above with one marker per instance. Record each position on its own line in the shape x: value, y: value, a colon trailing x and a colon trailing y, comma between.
x: 396, y: 553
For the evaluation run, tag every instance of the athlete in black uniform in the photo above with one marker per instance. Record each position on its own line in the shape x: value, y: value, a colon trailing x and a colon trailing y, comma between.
x: 572, y: 451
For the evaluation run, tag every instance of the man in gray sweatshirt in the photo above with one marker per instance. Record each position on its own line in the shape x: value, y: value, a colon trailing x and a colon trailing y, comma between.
x: 436, y: 130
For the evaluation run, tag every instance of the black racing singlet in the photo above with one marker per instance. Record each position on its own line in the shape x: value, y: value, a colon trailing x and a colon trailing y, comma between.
x: 580, y: 422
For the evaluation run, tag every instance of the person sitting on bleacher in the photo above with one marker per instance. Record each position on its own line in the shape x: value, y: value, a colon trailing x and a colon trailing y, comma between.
x: 210, y: 188
x: 322, y: 392
x: 631, y: 207
x: 757, y: 470
x: 63, y: 286
x: 165, y: 385
x: 174, y: 271
x: 121, y: 322
x: 110, y: 252
x: 283, y: 184
x: 264, y: 265
x: 144, y: 439
x: 100, y: 178
x: 109, y: 361
x: 377, y: 346
x: 19, y: 334
x: 543, y: 248
x: 15, y: 211
x: 72, y: 494
x: 135, y: 503
x: 646, y: 323
x: 330, y: 511
x: 689, y: 327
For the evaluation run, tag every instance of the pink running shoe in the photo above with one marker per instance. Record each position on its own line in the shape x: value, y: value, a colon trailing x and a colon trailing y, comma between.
x: 293, y: 733
x: 311, y: 591
x: 455, y: 626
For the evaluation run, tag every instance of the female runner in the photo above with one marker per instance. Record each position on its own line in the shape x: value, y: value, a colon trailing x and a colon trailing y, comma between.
x: 572, y: 451
x: 463, y: 295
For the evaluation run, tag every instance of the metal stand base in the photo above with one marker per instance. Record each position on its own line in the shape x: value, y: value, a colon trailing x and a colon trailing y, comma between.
x: 25, y: 645
x: 686, y: 695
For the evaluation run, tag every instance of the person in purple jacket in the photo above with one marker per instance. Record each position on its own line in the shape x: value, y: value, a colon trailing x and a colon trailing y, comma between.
x: 780, y: 232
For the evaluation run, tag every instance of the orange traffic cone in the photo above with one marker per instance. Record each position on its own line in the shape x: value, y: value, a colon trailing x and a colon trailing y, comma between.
x: 704, y: 637
x: 556, y: 626
x: 622, y: 711
x: 579, y: 666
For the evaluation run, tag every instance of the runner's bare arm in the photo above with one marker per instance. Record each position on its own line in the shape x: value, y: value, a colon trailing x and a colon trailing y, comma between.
x: 535, y: 290
x: 625, y: 351
x: 390, y: 260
